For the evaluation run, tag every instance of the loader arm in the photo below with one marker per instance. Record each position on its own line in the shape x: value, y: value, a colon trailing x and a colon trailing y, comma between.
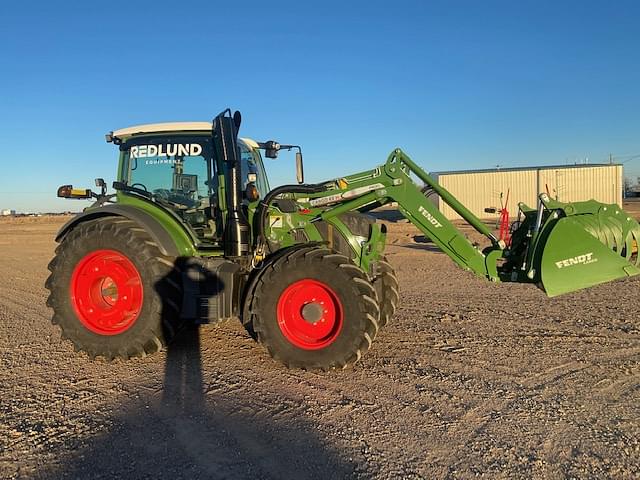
x: 392, y: 182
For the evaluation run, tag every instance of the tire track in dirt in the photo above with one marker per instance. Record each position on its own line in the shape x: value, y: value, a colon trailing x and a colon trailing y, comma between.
x: 456, y: 440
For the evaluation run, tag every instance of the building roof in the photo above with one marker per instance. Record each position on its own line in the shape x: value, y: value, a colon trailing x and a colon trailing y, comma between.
x: 518, y: 169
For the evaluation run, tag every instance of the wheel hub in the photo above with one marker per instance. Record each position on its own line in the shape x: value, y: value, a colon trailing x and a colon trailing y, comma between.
x: 109, y: 291
x: 106, y: 292
x: 310, y: 314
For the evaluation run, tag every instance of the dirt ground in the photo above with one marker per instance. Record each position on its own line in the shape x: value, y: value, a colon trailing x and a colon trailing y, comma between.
x: 471, y: 379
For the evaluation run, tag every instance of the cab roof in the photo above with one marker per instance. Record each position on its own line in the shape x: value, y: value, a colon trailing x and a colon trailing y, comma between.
x: 124, y: 133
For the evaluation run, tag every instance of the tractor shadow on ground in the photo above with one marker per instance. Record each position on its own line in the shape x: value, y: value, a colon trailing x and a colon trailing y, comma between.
x: 421, y: 242
x: 417, y: 242
x: 183, y: 432
x: 387, y: 215
x: 422, y: 246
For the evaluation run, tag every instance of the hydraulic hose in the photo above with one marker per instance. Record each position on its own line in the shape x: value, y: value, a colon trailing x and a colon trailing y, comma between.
x: 263, y: 207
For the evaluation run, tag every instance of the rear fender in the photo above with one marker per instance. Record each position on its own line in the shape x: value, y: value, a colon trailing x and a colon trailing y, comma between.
x: 173, y: 244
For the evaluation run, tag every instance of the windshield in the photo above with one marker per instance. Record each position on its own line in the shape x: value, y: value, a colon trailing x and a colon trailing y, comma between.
x: 177, y: 169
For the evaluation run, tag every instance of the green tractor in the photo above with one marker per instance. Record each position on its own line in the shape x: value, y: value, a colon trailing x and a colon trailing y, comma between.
x: 194, y: 234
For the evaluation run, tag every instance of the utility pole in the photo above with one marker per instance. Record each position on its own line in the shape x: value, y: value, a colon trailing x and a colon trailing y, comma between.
x: 610, y: 159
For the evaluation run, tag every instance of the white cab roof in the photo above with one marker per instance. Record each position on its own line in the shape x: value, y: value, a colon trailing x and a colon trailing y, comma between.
x: 163, y: 127
x: 124, y: 133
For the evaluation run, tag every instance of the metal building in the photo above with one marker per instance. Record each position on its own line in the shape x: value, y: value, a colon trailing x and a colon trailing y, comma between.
x: 479, y: 189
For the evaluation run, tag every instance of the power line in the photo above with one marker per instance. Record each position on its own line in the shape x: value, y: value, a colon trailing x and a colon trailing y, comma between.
x: 631, y: 158
x: 627, y: 155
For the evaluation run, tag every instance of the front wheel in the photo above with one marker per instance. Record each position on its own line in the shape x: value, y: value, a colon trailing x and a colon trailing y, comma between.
x: 314, y: 309
x: 386, y: 284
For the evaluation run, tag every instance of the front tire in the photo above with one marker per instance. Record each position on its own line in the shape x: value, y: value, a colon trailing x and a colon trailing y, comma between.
x: 112, y: 291
x: 314, y: 309
x: 386, y: 285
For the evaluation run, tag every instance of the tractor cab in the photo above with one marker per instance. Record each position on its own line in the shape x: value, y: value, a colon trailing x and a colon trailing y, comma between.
x: 173, y: 165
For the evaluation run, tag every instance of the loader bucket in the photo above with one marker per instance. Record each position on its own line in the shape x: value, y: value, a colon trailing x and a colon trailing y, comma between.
x: 588, y: 249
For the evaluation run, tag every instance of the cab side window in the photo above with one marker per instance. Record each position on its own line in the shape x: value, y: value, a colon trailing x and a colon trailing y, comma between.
x: 247, y: 166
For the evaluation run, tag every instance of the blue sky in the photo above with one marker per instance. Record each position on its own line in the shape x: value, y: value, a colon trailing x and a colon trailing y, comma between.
x: 456, y: 84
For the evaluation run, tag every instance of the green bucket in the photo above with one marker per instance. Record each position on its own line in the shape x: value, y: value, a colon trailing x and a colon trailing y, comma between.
x: 593, y: 244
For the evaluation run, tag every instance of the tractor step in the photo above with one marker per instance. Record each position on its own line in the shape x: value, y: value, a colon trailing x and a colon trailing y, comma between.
x: 211, y: 289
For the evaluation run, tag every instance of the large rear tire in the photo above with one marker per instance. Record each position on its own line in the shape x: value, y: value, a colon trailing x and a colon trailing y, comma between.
x: 112, y: 291
x: 314, y: 309
x: 386, y: 285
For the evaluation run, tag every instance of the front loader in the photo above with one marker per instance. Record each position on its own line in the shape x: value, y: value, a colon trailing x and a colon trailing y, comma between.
x: 562, y: 247
x: 195, y: 235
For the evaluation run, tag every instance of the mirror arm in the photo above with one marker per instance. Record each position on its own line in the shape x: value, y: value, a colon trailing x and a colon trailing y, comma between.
x: 271, y: 151
x: 290, y: 147
x: 299, y: 166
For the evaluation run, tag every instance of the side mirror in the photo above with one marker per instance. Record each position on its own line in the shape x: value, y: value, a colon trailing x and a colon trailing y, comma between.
x: 299, y: 168
x: 67, y: 191
x: 103, y: 186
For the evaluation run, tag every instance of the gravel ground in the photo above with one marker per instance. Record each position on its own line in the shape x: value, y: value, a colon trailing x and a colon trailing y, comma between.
x: 470, y: 379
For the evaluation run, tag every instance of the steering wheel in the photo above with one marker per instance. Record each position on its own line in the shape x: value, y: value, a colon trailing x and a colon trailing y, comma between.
x: 162, y: 193
x: 133, y: 185
x: 175, y: 200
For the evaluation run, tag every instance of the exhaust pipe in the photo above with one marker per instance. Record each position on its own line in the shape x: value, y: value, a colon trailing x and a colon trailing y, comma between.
x: 225, y: 140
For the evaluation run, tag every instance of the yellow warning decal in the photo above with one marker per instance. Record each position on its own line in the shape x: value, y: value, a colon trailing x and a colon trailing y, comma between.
x: 275, y: 221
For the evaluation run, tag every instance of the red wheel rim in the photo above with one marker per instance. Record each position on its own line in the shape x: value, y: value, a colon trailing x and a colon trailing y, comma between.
x: 106, y: 292
x: 310, y: 314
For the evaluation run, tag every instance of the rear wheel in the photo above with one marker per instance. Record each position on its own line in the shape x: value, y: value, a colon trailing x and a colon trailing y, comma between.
x: 386, y: 285
x: 112, y: 291
x: 314, y: 309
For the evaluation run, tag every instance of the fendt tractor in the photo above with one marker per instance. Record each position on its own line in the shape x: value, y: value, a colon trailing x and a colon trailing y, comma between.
x: 194, y: 234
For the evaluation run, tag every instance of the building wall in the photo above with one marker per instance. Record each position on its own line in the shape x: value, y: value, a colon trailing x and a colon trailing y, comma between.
x: 478, y: 190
